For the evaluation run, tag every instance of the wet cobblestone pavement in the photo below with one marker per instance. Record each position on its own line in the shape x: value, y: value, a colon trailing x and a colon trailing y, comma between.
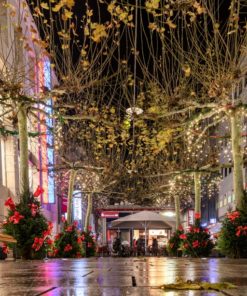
x: 118, y: 276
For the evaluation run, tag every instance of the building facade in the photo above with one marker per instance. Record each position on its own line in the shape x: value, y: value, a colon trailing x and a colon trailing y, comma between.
x: 23, y: 61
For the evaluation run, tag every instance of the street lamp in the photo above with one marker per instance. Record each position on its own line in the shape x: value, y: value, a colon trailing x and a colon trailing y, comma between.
x: 134, y: 110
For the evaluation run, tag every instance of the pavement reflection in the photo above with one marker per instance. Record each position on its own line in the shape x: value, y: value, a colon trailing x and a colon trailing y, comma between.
x: 118, y: 276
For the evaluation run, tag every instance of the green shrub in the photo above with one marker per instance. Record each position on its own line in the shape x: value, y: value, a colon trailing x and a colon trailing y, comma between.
x: 232, y: 240
x: 196, y: 242
x: 68, y: 243
x: 174, y: 242
x: 28, y: 226
x: 89, y: 243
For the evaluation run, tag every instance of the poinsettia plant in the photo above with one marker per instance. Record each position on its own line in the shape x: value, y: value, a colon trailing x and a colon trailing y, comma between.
x: 26, y: 223
x: 196, y: 242
x: 232, y: 240
x: 89, y: 242
x: 175, y: 242
x: 68, y: 243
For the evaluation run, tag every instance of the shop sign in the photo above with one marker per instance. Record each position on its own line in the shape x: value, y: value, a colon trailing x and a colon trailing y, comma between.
x: 190, y: 217
x: 157, y: 232
x: 77, y: 208
x: 109, y: 214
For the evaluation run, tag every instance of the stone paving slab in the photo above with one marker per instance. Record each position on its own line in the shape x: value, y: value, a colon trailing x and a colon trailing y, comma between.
x: 118, y: 276
x: 126, y: 292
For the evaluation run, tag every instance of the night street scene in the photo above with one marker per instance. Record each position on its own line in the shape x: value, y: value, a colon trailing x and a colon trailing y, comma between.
x: 123, y: 147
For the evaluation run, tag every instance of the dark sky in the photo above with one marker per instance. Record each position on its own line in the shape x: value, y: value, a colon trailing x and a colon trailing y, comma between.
x: 143, y: 38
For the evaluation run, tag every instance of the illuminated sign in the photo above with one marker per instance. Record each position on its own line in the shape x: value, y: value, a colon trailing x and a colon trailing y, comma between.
x: 212, y: 220
x: 77, y: 208
x: 49, y: 135
x: 109, y: 214
x: 157, y: 232
x: 190, y: 217
x: 46, y: 139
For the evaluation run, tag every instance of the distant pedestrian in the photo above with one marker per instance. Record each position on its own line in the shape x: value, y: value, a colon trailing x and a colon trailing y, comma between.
x: 134, y: 247
x: 155, y: 247
x: 140, y: 247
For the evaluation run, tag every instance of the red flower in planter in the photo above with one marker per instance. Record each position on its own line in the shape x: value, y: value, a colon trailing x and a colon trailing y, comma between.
x: 36, y: 240
x: 233, y: 216
x: 38, y: 191
x: 15, y: 219
x: 238, y: 232
x: 79, y: 240
x: 50, y: 225
x: 241, y: 230
x: 89, y: 228
x: 34, y: 209
x: 69, y: 228
x: 45, y: 233
x: 83, y: 237
x: 196, y: 244
x: 183, y: 236
x: 197, y: 216
x: 68, y: 248
x: 57, y: 236
x: 89, y: 245
x: 49, y: 229
x: 41, y: 241
x: 10, y: 203
x: 49, y: 241
x: 75, y: 223
x: 180, y: 228
x: 63, y: 219
x: 196, y: 230
x: 55, y: 252
x: 37, y: 244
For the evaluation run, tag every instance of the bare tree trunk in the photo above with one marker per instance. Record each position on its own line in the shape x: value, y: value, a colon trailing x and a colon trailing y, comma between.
x: 197, y: 186
x: 72, y: 176
x: 89, y: 210
x: 23, y: 144
x: 237, y: 155
x: 177, y: 210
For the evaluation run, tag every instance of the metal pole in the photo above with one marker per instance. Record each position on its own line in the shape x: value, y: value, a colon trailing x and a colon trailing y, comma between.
x: 145, y: 237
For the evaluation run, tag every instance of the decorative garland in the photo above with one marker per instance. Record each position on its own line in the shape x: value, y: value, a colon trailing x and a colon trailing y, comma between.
x: 6, y: 132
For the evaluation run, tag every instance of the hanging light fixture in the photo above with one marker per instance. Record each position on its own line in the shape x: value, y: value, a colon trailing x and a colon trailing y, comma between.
x: 134, y: 110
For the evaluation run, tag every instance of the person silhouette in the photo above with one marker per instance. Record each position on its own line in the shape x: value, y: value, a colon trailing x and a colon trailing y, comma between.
x: 155, y: 247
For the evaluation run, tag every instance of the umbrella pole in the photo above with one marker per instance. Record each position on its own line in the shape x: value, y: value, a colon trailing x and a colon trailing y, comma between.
x: 145, y: 237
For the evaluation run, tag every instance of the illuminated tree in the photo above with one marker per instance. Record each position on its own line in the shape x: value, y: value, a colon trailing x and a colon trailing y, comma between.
x: 218, y: 66
x: 21, y: 52
x: 207, y: 41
